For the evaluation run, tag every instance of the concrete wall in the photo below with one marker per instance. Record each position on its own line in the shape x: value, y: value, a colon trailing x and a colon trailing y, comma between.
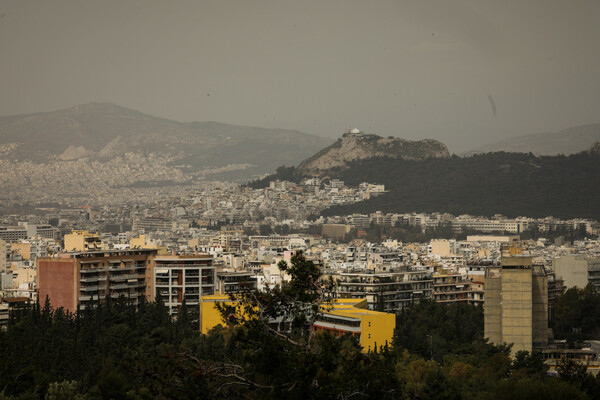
x: 58, y: 279
x: 573, y: 269
x: 517, y: 308
x: 335, y: 231
x: 440, y: 247
x: 492, y: 309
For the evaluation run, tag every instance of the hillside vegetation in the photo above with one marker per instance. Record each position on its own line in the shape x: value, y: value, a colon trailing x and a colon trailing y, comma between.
x: 513, y: 184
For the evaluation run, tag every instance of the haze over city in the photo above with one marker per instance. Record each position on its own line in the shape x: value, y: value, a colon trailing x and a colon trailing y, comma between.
x: 299, y: 200
x: 466, y: 73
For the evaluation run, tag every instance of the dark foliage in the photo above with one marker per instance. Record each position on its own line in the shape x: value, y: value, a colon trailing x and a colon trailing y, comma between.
x: 578, y: 315
x: 513, y: 184
x: 119, y: 351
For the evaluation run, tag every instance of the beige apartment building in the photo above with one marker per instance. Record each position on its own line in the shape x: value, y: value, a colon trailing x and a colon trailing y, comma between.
x: 516, y: 302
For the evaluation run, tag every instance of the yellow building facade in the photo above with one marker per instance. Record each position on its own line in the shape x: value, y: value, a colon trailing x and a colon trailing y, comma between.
x: 373, y: 329
x: 210, y: 316
x: 82, y: 241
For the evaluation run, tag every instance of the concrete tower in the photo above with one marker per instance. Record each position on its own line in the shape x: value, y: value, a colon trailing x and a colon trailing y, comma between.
x: 516, y: 302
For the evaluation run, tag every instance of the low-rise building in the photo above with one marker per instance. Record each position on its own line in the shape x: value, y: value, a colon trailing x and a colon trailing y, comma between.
x: 373, y: 329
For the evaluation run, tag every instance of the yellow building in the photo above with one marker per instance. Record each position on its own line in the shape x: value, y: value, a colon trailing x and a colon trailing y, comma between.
x: 24, y: 276
x: 82, y: 241
x: 440, y: 247
x: 373, y: 329
x: 138, y: 242
x: 23, y: 249
x: 141, y: 243
x: 209, y: 314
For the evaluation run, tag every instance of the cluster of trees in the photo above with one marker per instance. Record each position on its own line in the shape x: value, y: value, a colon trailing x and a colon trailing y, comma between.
x: 416, y: 234
x: 407, y: 233
x: 578, y: 316
x: 120, y: 351
x: 266, y: 229
x: 569, y: 234
x: 512, y: 184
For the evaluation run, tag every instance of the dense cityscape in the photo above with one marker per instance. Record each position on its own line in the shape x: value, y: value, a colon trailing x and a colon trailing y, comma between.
x: 216, y: 245
x: 331, y: 199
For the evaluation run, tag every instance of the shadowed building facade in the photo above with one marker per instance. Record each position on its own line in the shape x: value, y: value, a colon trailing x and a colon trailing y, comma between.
x: 516, y: 303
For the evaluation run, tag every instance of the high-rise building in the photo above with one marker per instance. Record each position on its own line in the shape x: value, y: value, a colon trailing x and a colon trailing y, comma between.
x: 80, y: 279
x: 516, y: 302
x: 183, y: 277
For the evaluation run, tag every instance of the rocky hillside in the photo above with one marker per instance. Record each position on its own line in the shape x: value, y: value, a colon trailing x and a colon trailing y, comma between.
x: 355, y: 145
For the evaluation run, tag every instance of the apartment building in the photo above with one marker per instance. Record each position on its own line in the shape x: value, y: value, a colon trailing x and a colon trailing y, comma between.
x: 180, y: 277
x: 81, y: 279
x: 452, y: 287
x: 373, y: 329
x: 387, y: 291
x: 82, y: 241
x: 235, y: 281
x: 577, y: 270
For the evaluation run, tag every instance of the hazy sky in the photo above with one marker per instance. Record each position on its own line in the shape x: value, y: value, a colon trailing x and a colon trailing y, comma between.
x: 413, y: 69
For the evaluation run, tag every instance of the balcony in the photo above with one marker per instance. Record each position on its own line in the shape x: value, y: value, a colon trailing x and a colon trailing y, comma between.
x: 119, y: 268
x: 119, y: 286
x: 123, y: 277
x: 88, y: 297
x: 92, y: 270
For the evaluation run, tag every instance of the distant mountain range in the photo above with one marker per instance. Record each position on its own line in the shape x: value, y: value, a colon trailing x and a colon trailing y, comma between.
x: 103, y: 131
x: 568, y: 141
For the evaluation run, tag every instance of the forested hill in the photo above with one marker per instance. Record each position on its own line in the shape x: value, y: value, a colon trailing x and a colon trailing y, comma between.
x: 513, y: 184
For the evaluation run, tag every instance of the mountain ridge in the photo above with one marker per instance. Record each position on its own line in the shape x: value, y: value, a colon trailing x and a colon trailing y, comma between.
x: 106, y: 130
x: 566, y: 141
